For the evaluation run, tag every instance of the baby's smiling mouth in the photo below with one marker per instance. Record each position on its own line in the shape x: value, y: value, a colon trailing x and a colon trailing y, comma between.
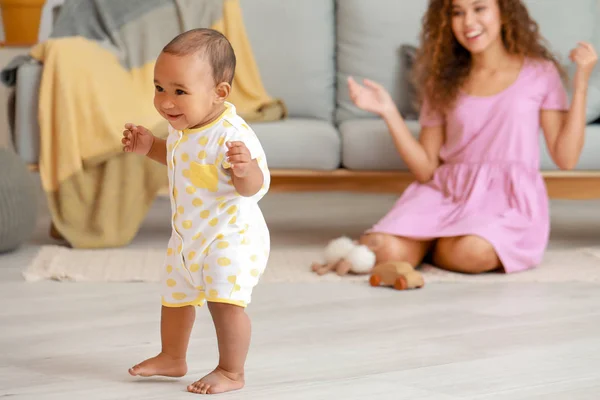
x: 173, y: 116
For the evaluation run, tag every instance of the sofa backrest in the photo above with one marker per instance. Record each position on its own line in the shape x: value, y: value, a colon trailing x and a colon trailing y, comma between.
x: 564, y: 23
x: 369, y: 37
x: 306, y: 49
x: 371, y: 33
x: 294, y: 45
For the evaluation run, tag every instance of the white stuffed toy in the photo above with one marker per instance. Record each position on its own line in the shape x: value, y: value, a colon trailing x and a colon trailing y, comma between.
x: 345, y: 255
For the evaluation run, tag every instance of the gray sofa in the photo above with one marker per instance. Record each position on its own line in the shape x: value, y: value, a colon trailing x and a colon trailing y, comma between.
x: 306, y: 49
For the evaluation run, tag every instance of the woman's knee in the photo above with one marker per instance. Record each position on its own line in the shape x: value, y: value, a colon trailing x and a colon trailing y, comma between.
x: 466, y: 254
x: 393, y: 248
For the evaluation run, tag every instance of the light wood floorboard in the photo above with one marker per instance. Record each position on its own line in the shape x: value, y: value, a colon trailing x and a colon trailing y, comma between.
x: 315, y: 341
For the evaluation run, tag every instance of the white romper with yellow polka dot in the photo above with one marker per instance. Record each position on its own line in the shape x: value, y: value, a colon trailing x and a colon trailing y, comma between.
x: 220, y: 241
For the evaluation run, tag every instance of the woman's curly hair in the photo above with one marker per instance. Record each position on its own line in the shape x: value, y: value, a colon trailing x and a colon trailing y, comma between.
x: 442, y: 64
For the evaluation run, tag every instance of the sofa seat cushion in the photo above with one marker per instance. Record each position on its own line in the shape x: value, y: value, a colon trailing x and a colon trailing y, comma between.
x: 298, y: 143
x: 367, y: 145
x: 588, y: 160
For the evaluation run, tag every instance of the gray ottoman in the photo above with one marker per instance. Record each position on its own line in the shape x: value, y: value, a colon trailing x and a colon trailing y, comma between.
x: 18, y: 201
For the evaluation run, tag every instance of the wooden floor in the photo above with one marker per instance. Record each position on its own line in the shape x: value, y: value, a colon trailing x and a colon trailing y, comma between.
x: 313, y: 341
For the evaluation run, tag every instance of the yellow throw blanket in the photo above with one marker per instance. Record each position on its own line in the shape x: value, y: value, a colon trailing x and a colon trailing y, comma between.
x: 98, y: 195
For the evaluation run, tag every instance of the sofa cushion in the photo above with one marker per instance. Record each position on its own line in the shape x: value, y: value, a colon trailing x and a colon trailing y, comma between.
x: 370, y: 35
x: 579, y: 21
x: 409, y: 107
x: 367, y: 145
x: 589, y: 159
x: 548, y: 13
x: 298, y: 143
x: 593, y: 98
x: 293, y: 44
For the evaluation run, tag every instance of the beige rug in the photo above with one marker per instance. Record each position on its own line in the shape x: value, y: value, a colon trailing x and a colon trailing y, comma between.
x: 286, y: 264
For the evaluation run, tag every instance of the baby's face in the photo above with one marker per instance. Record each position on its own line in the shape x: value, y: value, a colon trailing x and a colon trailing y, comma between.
x: 185, y: 92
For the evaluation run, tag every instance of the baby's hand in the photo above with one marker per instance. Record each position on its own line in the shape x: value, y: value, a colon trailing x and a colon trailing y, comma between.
x: 137, y: 139
x: 585, y: 57
x: 239, y: 158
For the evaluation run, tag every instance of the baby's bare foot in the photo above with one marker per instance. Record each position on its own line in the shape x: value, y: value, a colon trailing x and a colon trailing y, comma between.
x: 163, y: 365
x: 218, y: 381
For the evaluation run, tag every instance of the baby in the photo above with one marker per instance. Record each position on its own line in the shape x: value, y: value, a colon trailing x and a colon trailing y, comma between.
x: 218, y: 172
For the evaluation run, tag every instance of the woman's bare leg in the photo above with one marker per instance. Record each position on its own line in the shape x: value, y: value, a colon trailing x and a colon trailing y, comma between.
x: 466, y: 254
x: 395, y: 248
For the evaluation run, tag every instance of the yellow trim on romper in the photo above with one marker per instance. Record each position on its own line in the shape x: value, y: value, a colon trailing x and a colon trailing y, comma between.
x: 200, y: 300
x: 205, y: 127
x: 226, y: 301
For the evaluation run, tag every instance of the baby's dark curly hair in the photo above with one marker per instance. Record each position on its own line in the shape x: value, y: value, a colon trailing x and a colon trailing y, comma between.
x: 211, y: 44
x: 443, y: 64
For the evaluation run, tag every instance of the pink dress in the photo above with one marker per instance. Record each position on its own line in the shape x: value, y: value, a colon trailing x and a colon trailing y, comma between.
x: 489, y: 183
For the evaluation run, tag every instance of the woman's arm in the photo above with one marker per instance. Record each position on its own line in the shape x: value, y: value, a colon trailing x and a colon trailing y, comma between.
x: 565, y: 131
x: 422, y: 155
